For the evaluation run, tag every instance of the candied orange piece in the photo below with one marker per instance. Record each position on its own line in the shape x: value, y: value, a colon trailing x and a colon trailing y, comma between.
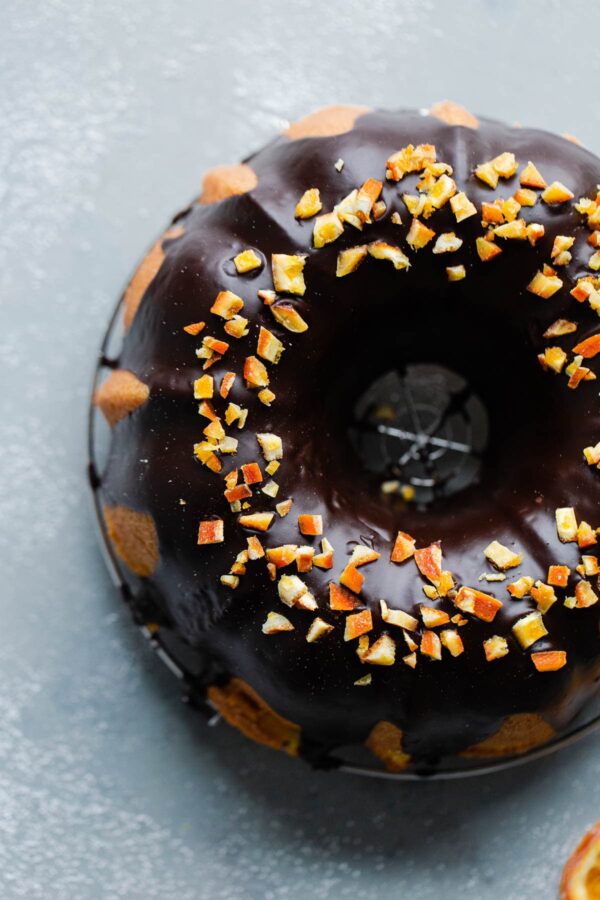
x: 340, y: 598
x: 581, y: 875
x: 588, y: 348
x: 404, y: 547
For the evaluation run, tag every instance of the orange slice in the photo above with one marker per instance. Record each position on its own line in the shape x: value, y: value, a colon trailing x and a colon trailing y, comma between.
x: 581, y: 875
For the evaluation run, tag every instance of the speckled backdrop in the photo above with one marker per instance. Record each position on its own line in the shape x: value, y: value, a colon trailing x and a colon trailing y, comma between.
x: 109, y: 788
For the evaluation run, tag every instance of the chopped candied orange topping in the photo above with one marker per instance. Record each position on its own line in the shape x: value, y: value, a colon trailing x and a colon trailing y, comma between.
x: 495, y: 647
x: 283, y: 507
x: 271, y: 489
x: 526, y: 197
x: 549, y: 660
x: 433, y: 618
x: 505, y: 165
x: 431, y: 646
x: 327, y: 228
x: 276, y: 623
x: 216, y: 345
x: 440, y: 192
x: 481, y: 605
x: 282, y: 556
x: 210, y: 531
x: 206, y: 409
x: 362, y: 556
x: 269, y: 347
x: 566, y: 524
x: 366, y: 198
x: 560, y: 328
x: 589, y: 566
x: 194, y: 328
x: 578, y: 373
x: 544, y: 285
x: 271, y: 446
x: 544, y: 596
x: 529, y: 629
x: 231, y: 581
x: 381, y: 250
x: 310, y: 525
x: 341, y: 599
x: 226, y: 384
x: 491, y: 213
x: 462, y: 207
x: 594, y: 239
x: 288, y: 273
x: 304, y: 558
x: 594, y: 261
x: 246, y: 261
x: 288, y: 316
x: 487, y: 250
x: 352, y: 579
x: 251, y: 473
x: 592, y: 455
x: 447, y: 243
x: 521, y: 587
x: 309, y: 204
x: 255, y: 548
x: 486, y: 173
x: 585, y: 595
x: 514, y: 230
x: 214, y: 431
x: 502, y: 557
x: 324, y: 559
x: 239, y: 492
x: 560, y: 250
x: 452, y: 641
x: 582, y: 290
x: 398, y: 617
x: 586, y: 535
x: 259, y: 521
x: 318, y: 629
x: 382, y: 652
x: 204, y: 387
x: 227, y: 305
x: 349, y: 260
x: 379, y: 210
x: 357, y: 624
x: 556, y: 193
x: 231, y: 479
x: 237, y: 327
x: 553, y: 358
x: 419, y: 235
x: 456, y: 273
x: 404, y: 547
x: 558, y: 576
x: 409, y: 159
x: 530, y: 177
x: 588, y: 348
x: 535, y: 232
x: 293, y: 592
x: 429, y: 562
x: 255, y: 372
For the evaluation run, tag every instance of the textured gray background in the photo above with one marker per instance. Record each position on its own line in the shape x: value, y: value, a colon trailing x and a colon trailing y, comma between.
x: 109, y: 112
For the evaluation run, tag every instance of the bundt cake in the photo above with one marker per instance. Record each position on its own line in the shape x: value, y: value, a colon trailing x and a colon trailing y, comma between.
x: 296, y: 484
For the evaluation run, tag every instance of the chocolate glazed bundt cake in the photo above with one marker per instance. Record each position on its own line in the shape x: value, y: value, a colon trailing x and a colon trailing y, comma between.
x: 353, y: 466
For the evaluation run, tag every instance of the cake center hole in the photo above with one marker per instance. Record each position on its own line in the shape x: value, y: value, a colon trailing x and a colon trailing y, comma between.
x: 422, y: 431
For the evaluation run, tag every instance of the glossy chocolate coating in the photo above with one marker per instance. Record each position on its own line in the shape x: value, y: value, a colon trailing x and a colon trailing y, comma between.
x: 487, y: 327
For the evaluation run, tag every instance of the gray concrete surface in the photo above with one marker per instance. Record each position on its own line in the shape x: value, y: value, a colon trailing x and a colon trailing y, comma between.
x: 109, y: 112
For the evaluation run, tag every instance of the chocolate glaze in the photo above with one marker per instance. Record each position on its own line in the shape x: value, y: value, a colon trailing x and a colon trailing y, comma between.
x: 488, y: 327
